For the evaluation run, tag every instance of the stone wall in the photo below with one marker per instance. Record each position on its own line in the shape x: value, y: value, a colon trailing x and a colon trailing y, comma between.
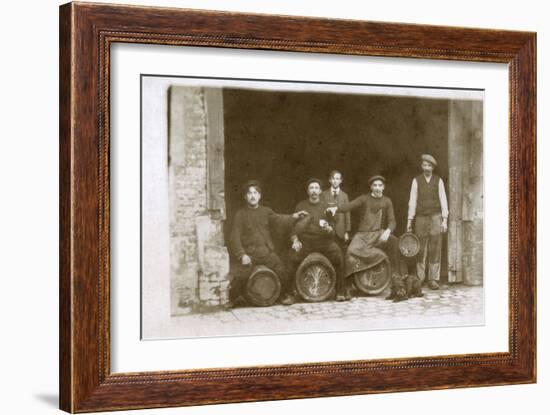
x: 199, y: 262
x: 466, y: 192
x: 472, y: 207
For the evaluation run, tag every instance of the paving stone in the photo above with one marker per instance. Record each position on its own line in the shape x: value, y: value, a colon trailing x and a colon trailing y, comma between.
x: 456, y: 305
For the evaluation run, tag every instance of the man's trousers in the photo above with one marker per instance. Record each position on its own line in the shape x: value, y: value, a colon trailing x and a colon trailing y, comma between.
x: 428, y: 230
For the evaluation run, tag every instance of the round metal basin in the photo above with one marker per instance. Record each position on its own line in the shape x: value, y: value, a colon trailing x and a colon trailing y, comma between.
x: 409, y: 245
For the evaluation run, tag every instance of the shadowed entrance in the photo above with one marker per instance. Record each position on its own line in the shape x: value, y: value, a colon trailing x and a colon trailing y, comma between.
x: 283, y: 138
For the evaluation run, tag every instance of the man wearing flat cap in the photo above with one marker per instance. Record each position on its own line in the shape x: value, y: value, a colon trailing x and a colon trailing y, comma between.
x: 251, y: 242
x: 373, y: 242
x: 315, y: 233
x: 429, y: 210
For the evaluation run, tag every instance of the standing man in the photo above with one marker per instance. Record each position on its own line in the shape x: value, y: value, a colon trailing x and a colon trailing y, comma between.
x: 429, y: 210
x: 335, y: 196
x: 315, y: 234
x: 251, y: 243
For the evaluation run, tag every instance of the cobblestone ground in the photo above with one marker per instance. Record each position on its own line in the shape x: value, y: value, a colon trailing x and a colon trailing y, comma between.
x: 454, y: 305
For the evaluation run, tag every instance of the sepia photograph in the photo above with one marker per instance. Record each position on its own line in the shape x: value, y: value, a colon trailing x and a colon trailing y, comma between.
x: 265, y: 205
x: 282, y: 207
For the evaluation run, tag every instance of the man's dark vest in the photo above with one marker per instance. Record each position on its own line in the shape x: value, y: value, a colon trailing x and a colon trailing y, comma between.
x: 427, y: 202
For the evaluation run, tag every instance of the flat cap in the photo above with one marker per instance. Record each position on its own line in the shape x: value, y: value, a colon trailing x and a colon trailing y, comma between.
x: 377, y: 177
x: 314, y: 180
x: 429, y: 159
x: 254, y: 183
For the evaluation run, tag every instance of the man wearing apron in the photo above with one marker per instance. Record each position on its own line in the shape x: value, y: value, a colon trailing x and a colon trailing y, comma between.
x: 373, y: 242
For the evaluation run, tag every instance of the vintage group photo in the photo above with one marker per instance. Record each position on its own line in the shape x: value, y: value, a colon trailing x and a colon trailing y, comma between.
x: 293, y: 207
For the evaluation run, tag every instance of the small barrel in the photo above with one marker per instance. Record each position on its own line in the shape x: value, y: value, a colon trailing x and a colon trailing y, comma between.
x: 374, y: 280
x: 263, y: 287
x: 409, y: 245
x: 315, y: 278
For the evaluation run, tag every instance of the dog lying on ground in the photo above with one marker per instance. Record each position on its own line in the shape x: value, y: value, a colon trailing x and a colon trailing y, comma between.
x: 403, y: 288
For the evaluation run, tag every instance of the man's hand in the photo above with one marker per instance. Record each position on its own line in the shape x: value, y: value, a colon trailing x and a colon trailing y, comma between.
x: 444, y: 225
x: 246, y: 260
x: 332, y: 210
x: 409, y: 225
x: 300, y: 214
x: 346, y: 237
x: 324, y: 225
x: 327, y: 228
x: 385, y: 235
x: 296, y: 245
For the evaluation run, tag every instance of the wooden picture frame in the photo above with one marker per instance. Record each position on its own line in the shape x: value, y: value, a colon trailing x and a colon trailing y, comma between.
x: 86, y: 33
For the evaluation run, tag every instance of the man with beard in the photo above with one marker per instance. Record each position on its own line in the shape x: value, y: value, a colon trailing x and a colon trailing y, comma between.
x: 316, y: 234
x: 429, y: 210
x: 373, y: 241
x: 252, y: 244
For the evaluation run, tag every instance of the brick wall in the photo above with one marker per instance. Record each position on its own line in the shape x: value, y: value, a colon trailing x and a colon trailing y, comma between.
x: 198, y: 258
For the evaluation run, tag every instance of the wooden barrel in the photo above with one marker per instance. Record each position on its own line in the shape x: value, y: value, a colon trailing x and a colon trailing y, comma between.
x: 315, y: 278
x: 263, y: 287
x: 374, y: 280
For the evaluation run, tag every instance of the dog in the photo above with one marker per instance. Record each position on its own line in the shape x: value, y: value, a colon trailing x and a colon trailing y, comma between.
x: 403, y: 288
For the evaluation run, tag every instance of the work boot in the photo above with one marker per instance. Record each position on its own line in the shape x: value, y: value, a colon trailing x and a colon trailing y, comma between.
x: 347, y: 294
x: 239, y: 301
x: 288, y: 299
x: 343, y: 297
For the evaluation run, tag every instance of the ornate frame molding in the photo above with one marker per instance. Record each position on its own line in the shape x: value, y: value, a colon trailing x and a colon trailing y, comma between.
x: 86, y: 34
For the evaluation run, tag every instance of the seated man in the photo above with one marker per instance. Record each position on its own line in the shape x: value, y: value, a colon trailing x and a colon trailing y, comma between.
x: 315, y: 234
x: 252, y: 244
x: 374, y: 239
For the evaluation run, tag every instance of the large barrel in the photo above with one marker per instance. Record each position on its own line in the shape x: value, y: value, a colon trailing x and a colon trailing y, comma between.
x: 374, y: 280
x: 315, y: 278
x: 263, y: 287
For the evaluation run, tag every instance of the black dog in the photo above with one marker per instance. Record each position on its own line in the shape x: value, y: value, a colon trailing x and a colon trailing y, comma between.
x: 403, y: 288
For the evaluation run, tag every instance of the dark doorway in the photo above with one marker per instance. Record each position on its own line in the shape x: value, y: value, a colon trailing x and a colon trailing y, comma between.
x: 283, y: 138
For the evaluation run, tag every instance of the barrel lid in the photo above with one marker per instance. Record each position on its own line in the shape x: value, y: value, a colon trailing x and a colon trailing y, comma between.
x: 263, y: 287
x: 409, y: 244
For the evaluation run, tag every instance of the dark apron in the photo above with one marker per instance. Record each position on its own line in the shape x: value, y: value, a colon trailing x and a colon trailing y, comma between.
x: 362, y: 252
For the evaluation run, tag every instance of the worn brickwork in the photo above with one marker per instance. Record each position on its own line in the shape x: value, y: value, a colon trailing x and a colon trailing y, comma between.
x: 199, y: 260
x: 472, y: 215
x: 213, y: 281
x: 466, y: 192
x: 473, y: 252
